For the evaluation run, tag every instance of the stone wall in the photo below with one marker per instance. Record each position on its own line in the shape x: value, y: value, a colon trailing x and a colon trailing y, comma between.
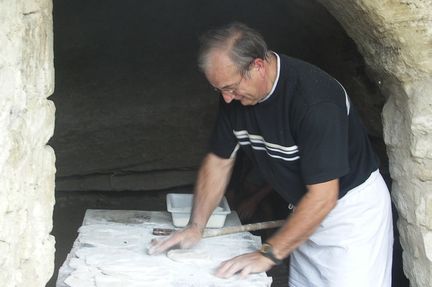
x: 26, y: 123
x: 395, y: 38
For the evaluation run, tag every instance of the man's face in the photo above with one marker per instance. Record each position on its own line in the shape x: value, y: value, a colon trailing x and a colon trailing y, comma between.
x: 224, y: 77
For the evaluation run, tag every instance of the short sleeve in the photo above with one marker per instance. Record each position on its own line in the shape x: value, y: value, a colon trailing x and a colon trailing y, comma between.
x: 223, y: 143
x: 323, y: 143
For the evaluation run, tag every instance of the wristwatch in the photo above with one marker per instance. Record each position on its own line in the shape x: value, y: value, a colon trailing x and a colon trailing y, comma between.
x: 267, y: 250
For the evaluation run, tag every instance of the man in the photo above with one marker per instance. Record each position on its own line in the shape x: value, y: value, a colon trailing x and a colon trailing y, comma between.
x: 297, y: 124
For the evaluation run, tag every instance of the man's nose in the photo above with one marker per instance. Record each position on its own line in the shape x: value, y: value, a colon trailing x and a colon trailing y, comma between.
x: 228, y: 97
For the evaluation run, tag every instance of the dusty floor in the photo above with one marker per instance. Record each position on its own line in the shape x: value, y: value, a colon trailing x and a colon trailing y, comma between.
x: 70, y: 208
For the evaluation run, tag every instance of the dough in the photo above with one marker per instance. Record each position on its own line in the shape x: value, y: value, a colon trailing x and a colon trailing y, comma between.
x: 189, y: 256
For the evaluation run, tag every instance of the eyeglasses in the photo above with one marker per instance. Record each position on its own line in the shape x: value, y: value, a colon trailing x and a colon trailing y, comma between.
x: 230, y: 89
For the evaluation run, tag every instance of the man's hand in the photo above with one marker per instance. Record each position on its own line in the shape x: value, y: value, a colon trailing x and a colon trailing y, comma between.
x: 244, y: 264
x: 185, y: 238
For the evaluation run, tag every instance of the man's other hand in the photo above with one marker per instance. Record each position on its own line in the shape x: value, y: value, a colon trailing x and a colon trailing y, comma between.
x: 244, y: 264
x: 185, y: 238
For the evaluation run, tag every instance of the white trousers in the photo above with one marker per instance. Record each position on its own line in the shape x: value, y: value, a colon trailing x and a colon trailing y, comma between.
x: 353, y: 246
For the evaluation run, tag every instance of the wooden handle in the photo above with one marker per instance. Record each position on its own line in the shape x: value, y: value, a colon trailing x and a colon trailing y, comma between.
x: 242, y: 228
x: 209, y: 232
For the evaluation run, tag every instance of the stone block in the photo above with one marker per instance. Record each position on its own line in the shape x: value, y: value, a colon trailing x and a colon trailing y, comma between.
x: 26, y: 124
x: 423, y: 169
x: 395, y: 123
x: 423, y: 204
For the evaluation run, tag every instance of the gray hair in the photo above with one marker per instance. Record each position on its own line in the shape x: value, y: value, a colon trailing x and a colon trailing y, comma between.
x: 243, y: 44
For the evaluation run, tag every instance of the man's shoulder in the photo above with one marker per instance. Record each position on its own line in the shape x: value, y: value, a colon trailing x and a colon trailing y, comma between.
x: 305, y: 70
x: 297, y: 64
x: 311, y: 84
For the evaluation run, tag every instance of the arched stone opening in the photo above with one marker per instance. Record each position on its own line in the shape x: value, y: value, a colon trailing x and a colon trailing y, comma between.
x: 393, y: 39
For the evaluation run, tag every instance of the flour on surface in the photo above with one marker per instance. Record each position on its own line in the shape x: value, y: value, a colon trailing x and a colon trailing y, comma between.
x: 111, y: 254
x: 189, y: 256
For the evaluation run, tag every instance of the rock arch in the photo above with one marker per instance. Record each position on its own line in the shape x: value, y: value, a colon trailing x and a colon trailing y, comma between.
x: 393, y: 36
x: 395, y: 39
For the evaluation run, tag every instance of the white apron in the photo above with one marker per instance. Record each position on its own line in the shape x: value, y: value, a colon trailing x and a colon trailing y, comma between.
x: 353, y: 246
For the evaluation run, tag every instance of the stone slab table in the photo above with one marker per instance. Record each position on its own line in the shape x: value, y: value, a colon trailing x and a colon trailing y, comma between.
x: 111, y: 251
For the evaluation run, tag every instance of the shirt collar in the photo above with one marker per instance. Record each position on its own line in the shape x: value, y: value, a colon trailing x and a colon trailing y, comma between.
x: 276, y: 80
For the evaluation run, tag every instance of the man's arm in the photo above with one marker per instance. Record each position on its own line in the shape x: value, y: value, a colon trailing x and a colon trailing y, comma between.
x: 213, y: 177
x: 310, y: 212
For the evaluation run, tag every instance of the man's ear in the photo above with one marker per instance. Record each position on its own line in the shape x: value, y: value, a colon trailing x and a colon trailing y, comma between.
x: 258, y: 64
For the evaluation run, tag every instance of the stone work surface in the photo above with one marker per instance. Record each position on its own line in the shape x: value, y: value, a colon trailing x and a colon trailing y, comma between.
x: 395, y: 38
x: 26, y: 123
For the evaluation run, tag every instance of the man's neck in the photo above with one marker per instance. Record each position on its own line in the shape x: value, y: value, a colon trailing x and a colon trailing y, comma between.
x: 271, y: 72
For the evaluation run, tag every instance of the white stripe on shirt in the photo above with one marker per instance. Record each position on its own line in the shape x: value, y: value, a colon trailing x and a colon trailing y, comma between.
x: 287, y: 153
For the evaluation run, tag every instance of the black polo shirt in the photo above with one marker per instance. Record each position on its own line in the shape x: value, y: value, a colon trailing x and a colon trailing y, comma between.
x: 305, y: 132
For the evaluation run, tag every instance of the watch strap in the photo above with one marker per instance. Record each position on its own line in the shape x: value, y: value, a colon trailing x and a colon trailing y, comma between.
x: 267, y: 251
